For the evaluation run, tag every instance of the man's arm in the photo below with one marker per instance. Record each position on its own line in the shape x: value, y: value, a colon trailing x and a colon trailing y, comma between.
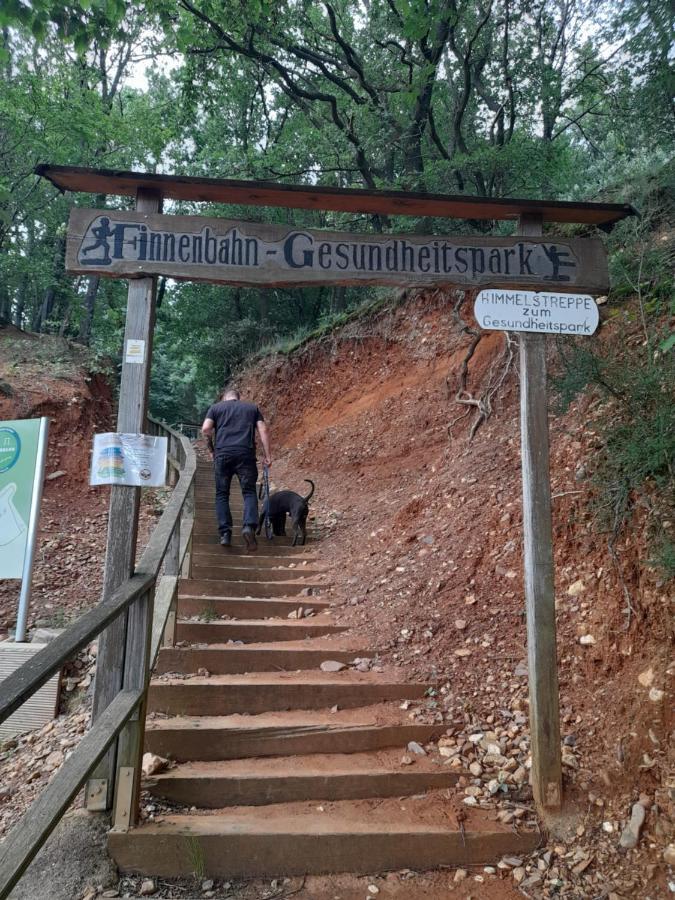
x: 263, y: 431
x: 208, y: 428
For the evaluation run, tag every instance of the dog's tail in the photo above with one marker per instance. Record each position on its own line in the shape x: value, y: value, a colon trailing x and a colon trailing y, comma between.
x: 308, y: 497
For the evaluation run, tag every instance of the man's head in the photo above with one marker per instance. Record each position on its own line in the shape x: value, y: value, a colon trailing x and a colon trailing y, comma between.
x: 231, y: 394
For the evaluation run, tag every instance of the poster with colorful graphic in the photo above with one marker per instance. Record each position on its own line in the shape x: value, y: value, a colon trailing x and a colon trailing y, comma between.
x: 18, y: 458
x: 134, y: 460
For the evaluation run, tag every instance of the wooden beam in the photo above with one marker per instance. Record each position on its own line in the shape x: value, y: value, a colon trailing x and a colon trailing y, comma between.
x: 125, y: 501
x: 538, y: 564
x: 37, y: 823
x: 351, y: 200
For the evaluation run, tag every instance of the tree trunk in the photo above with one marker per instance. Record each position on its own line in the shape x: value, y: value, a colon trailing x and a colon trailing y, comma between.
x: 338, y: 298
x: 50, y: 295
x: 5, y: 305
x: 20, y: 303
x: 87, y: 319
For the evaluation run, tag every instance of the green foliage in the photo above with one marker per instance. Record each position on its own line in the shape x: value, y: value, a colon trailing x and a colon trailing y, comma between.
x: 636, y: 465
x: 565, y: 101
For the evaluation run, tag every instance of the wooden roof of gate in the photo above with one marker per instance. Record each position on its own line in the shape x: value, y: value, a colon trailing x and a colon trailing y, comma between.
x: 295, y: 196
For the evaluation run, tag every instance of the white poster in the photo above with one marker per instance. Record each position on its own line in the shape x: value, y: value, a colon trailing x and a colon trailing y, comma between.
x: 136, y: 460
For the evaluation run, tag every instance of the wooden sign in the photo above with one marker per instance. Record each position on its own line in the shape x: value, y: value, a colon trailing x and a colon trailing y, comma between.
x: 506, y: 310
x: 131, y: 244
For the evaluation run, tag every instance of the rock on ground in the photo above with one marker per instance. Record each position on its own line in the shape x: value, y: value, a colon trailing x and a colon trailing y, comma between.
x: 74, y: 858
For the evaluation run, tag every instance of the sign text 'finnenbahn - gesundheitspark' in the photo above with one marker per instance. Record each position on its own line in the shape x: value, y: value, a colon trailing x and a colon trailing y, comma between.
x: 118, y: 244
x: 505, y: 310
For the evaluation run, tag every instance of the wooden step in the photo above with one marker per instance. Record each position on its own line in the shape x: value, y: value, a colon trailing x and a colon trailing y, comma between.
x: 232, y: 659
x: 210, y: 541
x: 205, y: 530
x: 251, y: 631
x: 255, y: 782
x: 244, y: 607
x: 258, y: 692
x: 283, y: 734
x: 292, y: 839
x: 214, y: 555
x: 224, y: 572
x: 206, y: 522
x: 202, y: 587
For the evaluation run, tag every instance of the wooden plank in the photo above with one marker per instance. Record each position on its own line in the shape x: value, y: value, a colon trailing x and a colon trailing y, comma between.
x: 22, y: 683
x: 172, y: 565
x: 124, y: 501
x: 26, y: 838
x: 41, y: 707
x: 297, y: 196
x: 538, y: 563
x: 115, y: 243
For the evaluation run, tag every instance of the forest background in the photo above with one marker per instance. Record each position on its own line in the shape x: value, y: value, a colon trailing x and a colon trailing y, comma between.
x: 566, y: 99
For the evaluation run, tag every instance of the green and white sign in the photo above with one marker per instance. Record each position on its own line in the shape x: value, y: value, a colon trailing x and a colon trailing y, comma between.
x: 18, y: 459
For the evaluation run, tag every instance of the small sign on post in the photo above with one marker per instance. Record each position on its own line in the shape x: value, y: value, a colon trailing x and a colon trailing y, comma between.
x: 539, y: 312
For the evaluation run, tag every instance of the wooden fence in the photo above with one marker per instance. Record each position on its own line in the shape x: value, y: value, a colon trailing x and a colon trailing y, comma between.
x: 150, y: 589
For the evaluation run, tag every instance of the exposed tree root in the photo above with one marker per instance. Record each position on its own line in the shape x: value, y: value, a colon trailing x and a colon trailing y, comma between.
x: 483, y: 403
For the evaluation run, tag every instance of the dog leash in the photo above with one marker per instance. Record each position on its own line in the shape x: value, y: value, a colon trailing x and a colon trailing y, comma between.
x: 265, y: 494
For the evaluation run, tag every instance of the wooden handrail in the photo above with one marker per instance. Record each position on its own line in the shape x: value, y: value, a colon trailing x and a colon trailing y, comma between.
x: 25, y: 680
x: 29, y: 835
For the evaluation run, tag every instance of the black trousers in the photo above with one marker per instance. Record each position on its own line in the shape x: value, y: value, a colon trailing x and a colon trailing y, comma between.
x: 243, y: 465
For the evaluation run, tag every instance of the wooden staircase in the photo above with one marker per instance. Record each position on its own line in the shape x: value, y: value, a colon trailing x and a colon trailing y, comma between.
x: 291, y: 770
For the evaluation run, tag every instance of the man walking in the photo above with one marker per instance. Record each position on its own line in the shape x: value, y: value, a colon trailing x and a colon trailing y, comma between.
x: 234, y: 423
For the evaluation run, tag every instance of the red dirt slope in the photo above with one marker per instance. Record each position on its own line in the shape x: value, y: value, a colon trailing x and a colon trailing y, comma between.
x: 45, y: 376
x: 426, y: 548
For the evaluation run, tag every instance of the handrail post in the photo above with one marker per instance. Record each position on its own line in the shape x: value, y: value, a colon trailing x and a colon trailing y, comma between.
x: 172, y: 567
x: 189, y: 516
x: 130, y: 741
x: 173, y: 453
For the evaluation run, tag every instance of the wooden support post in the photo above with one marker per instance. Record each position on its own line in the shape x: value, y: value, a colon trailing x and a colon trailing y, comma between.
x: 538, y: 563
x: 124, y: 504
x: 130, y: 742
x: 189, y: 517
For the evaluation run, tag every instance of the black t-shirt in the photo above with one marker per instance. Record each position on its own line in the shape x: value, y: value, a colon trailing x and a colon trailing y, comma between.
x: 235, y: 423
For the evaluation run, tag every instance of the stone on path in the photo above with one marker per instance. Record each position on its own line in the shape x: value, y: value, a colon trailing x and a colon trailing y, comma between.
x: 332, y: 665
x: 153, y: 764
x: 414, y: 747
x: 631, y: 833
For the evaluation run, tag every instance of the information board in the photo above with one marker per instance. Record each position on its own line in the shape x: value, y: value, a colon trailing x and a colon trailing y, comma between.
x: 18, y: 459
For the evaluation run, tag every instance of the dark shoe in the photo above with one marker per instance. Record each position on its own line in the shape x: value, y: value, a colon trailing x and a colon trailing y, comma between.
x: 226, y: 539
x: 248, y: 533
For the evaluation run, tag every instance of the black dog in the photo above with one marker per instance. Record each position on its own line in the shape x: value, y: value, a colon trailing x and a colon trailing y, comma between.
x: 283, y: 503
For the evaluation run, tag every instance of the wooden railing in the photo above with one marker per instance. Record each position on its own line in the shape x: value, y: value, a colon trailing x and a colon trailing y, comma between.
x: 150, y: 589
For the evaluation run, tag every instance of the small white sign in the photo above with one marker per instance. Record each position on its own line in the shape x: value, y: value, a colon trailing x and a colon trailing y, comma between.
x: 137, y: 460
x: 507, y: 310
x: 135, y: 352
